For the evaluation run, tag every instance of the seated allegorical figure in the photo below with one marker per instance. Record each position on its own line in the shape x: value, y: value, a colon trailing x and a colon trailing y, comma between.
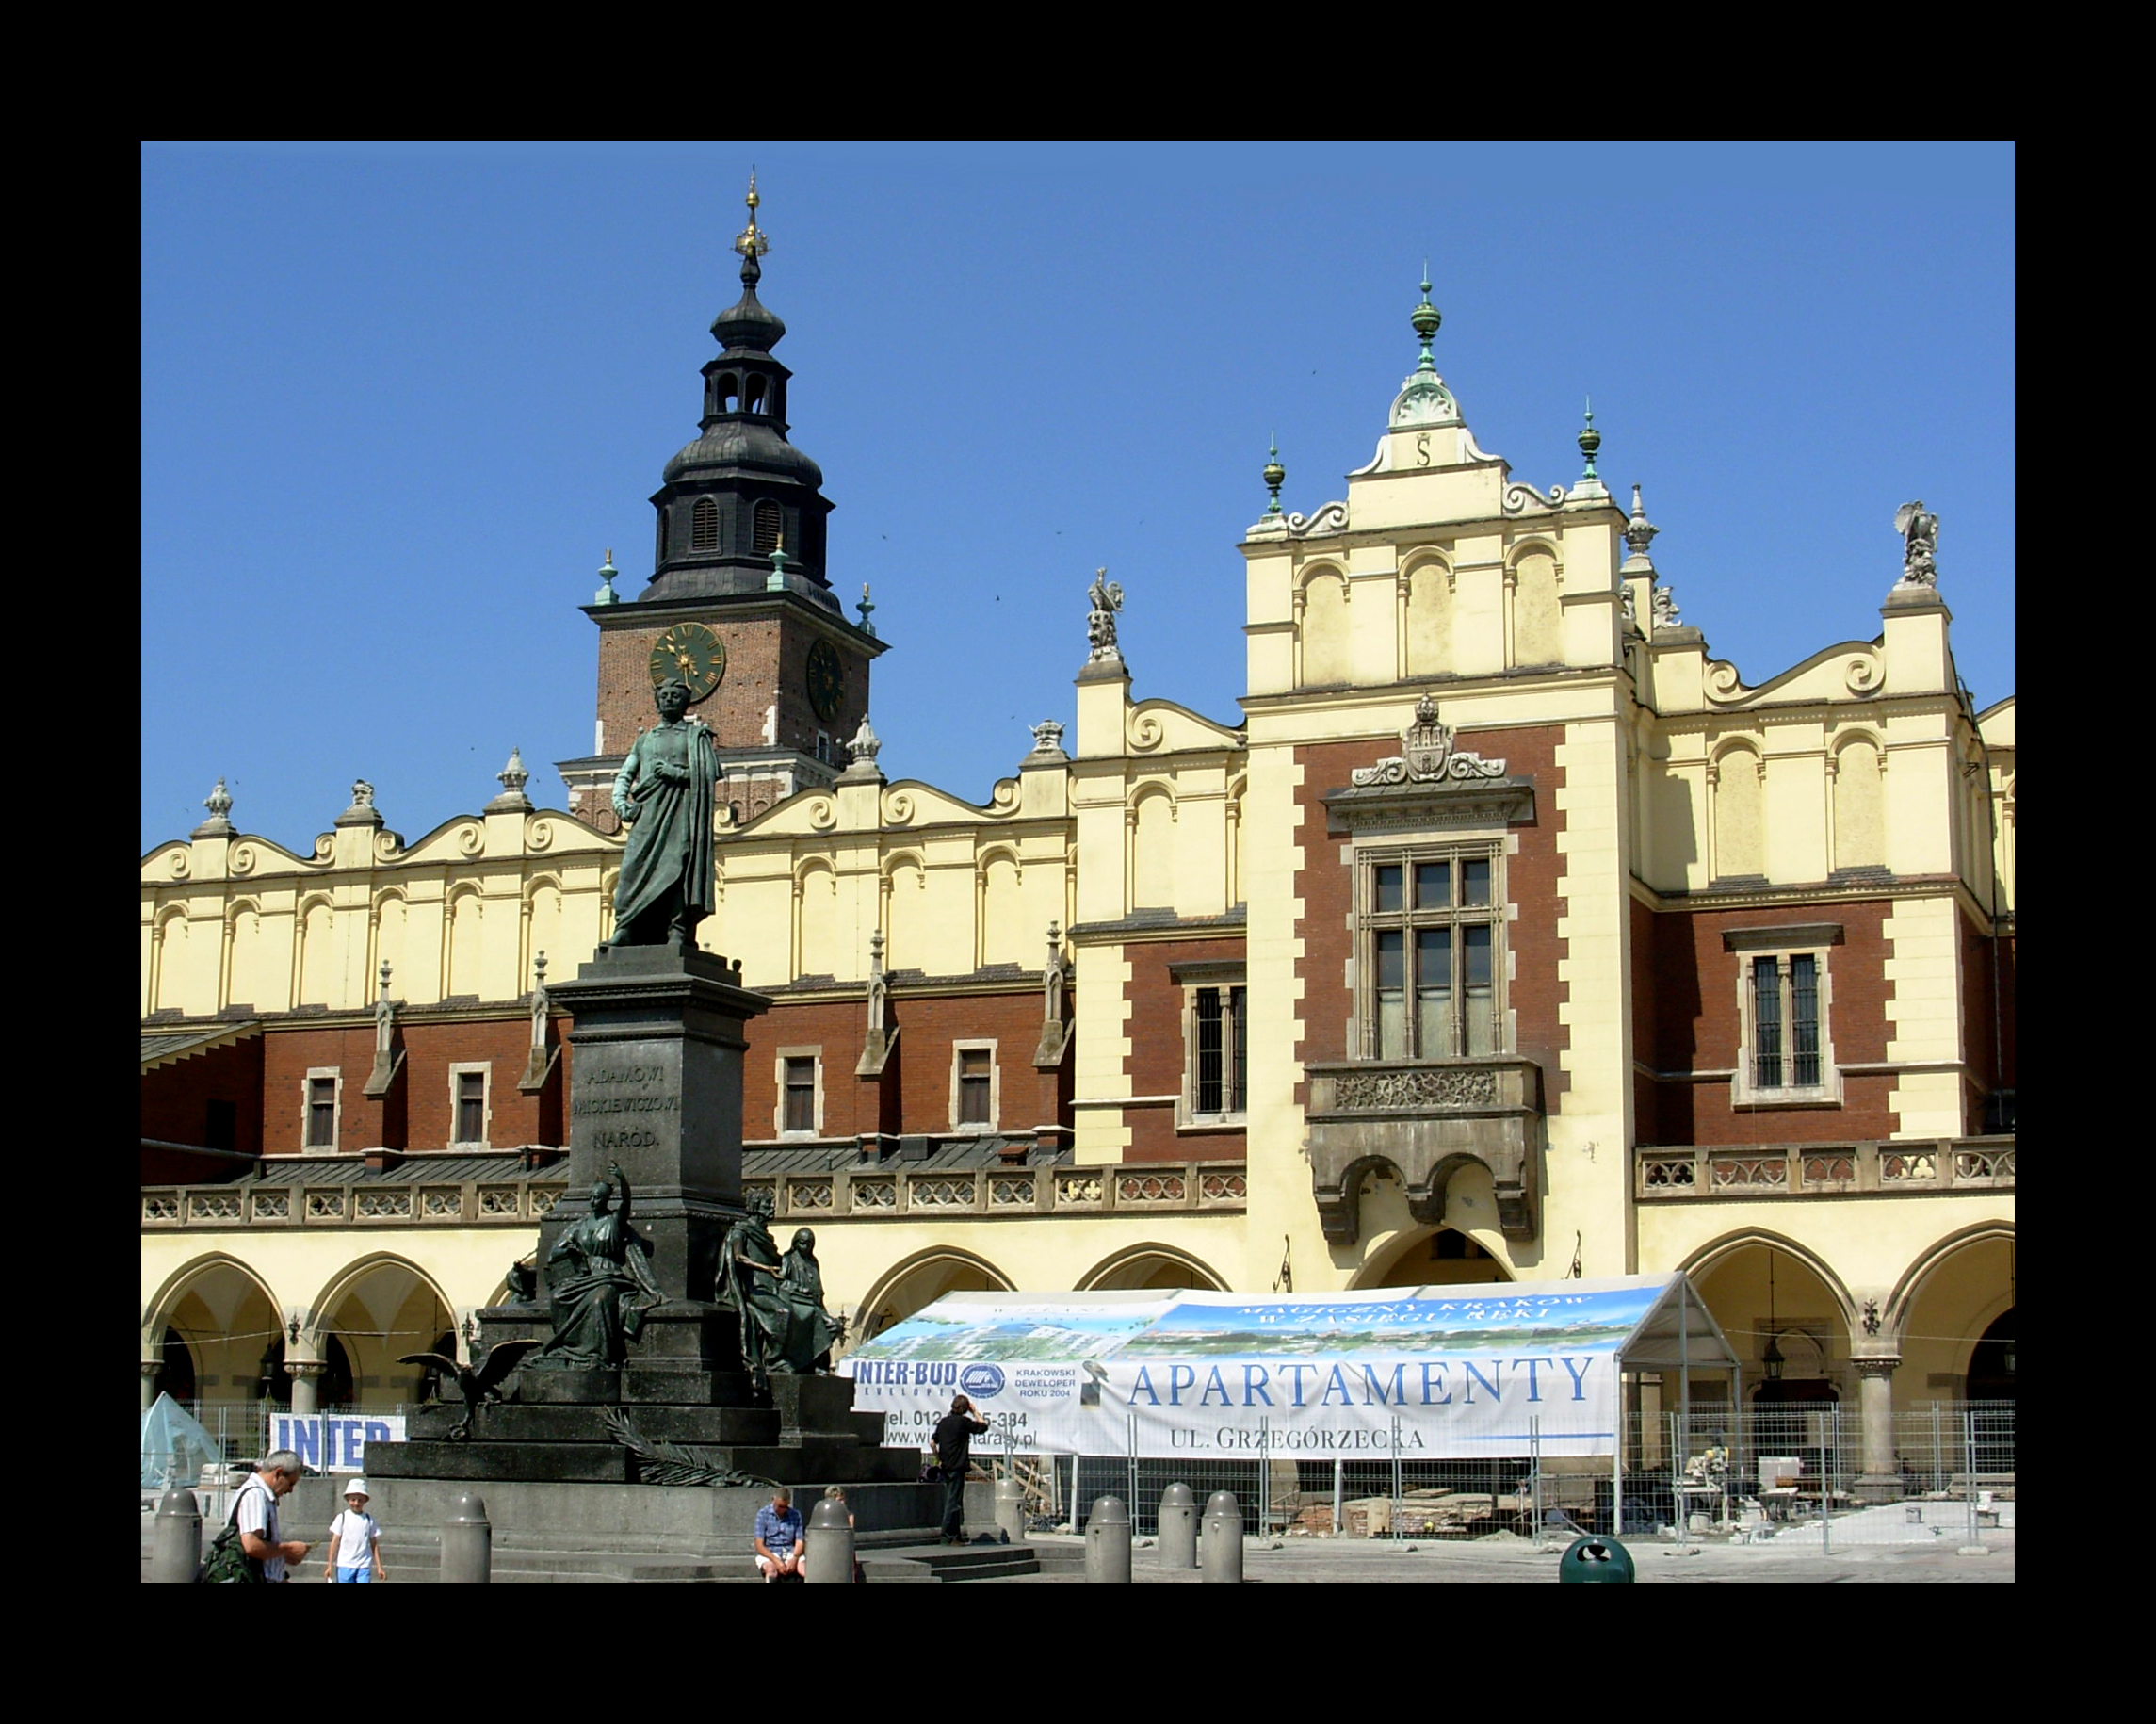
x: 599, y: 1285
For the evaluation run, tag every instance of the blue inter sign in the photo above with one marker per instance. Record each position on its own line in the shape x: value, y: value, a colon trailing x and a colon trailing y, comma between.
x: 332, y: 1443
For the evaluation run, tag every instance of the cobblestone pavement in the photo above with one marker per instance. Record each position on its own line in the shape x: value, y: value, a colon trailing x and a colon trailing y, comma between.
x: 1501, y: 1561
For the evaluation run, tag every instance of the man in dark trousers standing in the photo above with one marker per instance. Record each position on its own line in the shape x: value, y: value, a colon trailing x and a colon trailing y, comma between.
x: 954, y: 1436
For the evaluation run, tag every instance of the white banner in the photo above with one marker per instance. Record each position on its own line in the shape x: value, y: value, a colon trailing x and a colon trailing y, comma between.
x: 1227, y: 1373
x: 334, y: 1442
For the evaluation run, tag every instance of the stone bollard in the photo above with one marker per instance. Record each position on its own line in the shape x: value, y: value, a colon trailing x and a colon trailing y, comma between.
x: 1010, y: 1510
x: 176, y: 1537
x: 468, y: 1542
x: 1223, y: 1557
x: 1107, y: 1541
x: 829, y: 1555
x: 1178, y: 1528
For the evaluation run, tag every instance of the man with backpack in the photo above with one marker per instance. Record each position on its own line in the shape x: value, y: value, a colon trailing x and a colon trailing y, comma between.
x: 256, y: 1513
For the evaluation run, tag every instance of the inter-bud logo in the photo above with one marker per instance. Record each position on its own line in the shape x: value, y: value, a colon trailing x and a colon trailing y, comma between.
x: 981, y: 1381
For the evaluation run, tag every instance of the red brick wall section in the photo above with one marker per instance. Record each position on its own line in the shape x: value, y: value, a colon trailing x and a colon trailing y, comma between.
x: 1327, y: 890
x: 430, y: 1049
x: 930, y: 1025
x: 2006, y: 950
x: 1156, y: 1062
x: 176, y: 1098
x: 1646, y: 1038
x: 766, y: 657
x: 1692, y: 1025
x: 1985, y: 1017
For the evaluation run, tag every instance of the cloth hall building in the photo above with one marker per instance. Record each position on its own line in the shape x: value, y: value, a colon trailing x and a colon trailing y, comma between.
x: 1505, y: 933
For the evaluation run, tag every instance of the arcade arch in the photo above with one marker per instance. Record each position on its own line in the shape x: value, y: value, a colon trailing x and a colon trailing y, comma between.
x: 1786, y: 1313
x: 1152, y: 1267
x: 375, y: 1311
x: 1435, y: 1257
x: 918, y: 1281
x: 227, y: 1326
x: 1954, y: 1313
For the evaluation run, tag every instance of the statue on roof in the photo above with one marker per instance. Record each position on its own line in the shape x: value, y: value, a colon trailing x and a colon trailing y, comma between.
x: 1920, y: 532
x: 1106, y: 598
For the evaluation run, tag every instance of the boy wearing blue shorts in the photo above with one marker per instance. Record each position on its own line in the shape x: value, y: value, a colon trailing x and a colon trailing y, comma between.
x: 355, y: 1540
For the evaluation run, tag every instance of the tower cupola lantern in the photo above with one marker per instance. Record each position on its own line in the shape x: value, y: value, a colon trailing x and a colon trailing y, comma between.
x: 742, y: 489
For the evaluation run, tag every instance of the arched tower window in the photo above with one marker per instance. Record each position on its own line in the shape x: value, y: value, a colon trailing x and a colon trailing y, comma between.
x: 704, y: 526
x: 767, y: 527
x: 753, y: 394
x: 665, y: 521
x: 729, y: 388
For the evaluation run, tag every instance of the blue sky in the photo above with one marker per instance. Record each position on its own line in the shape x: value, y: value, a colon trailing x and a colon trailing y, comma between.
x: 398, y: 401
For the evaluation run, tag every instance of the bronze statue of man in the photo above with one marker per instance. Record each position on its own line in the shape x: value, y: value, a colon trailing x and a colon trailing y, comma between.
x: 751, y: 1274
x: 664, y: 796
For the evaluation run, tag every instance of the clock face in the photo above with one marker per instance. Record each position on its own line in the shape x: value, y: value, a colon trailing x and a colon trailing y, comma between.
x: 826, y: 679
x: 691, y: 653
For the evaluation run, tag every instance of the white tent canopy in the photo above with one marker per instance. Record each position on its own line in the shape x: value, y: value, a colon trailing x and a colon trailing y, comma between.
x: 1432, y: 1372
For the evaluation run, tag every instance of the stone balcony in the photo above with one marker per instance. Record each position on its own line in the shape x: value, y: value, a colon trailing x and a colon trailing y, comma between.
x: 1897, y: 1167
x: 1424, y: 1120
x: 886, y: 1194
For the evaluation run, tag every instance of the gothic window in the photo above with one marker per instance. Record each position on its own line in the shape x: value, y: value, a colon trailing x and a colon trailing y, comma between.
x: 801, y: 1095
x: 1785, y: 1054
x: 704, y: 526
x: 766, y: 523
x: 319, y: 1106
x: 973, y: 1098
x: 1216, y: 1065
x: 800, y: 1075
x: 1431, y: 944
x: 468, y: 1103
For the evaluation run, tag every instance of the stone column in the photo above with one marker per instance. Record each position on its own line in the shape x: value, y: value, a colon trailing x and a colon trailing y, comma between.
x: 1879, y: 1481
x: 304, y: 1374
x: 150, y: 1367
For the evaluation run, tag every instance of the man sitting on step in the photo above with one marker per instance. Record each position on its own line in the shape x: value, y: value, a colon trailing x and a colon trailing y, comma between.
x: 779, y: 1542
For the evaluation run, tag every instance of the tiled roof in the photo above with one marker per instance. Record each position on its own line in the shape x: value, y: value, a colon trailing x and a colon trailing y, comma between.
x: 162, y: 1047
x: 761, y: 1161
x: 426, y: 1169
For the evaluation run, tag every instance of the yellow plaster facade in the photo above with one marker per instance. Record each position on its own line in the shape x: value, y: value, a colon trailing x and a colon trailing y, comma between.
x: 1685, y: 828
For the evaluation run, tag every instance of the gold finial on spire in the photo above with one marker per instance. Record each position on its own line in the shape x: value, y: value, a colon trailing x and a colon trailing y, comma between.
x: 751, y: 242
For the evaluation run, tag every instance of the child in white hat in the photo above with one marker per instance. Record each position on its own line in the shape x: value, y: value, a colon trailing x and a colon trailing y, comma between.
x: 355, y: 1540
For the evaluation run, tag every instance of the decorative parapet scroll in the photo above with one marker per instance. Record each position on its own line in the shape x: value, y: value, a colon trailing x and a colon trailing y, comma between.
x: 1327, y: 519
x: 1427, y: 755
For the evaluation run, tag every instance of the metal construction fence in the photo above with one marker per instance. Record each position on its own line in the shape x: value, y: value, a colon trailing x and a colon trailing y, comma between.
x: 241, y: 1428
x: 1787, y: 1473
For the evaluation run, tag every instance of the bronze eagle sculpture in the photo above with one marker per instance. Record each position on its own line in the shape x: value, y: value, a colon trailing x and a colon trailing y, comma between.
x: 477, y: 1387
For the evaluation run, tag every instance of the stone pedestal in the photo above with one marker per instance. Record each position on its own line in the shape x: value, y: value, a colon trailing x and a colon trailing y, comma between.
x: 655, y: 1075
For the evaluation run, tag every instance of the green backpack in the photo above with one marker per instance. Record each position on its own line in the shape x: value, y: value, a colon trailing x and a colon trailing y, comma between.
x: 228, y: 1560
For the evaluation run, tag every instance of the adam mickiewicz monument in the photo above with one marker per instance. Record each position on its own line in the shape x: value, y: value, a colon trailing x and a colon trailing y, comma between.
x: 655, y: 1359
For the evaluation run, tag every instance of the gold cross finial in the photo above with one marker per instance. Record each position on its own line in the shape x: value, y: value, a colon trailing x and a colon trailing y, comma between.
x: 751, y: 242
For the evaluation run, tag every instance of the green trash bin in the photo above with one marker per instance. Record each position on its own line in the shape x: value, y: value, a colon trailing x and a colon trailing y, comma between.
x: 1595, y: 1559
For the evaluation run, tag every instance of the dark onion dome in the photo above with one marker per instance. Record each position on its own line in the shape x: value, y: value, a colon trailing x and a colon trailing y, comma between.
x: 732, y: 445
x: 748, y: 323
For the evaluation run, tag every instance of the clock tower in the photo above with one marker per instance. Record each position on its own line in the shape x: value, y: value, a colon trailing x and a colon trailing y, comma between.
x: 739, y: 605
